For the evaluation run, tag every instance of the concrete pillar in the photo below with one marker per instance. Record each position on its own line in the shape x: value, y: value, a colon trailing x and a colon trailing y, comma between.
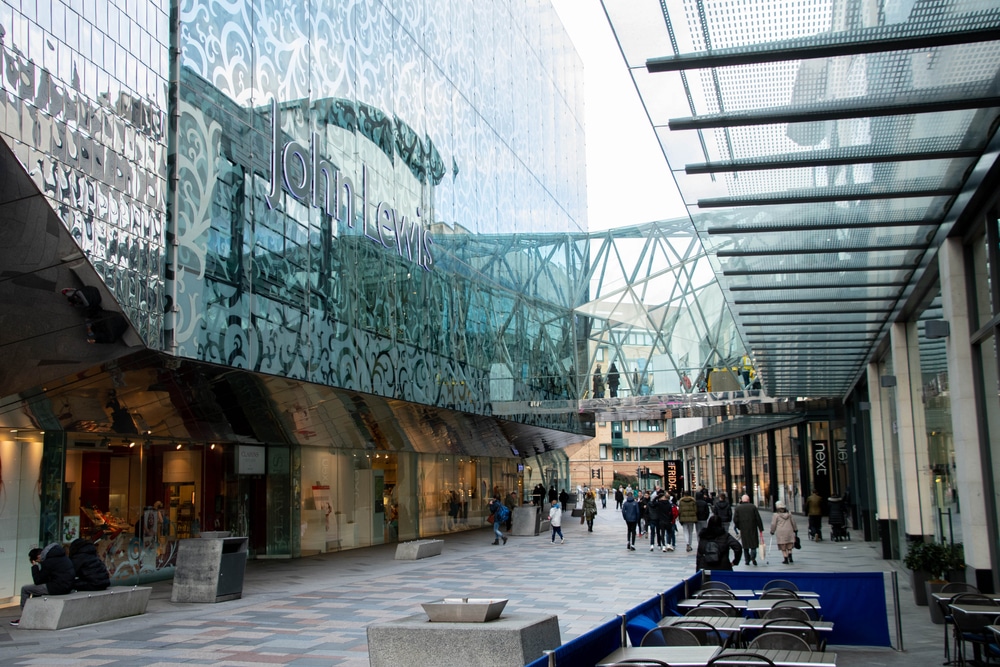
x: 911, y: 439
x: 885, y: 488
x: 969, y: 464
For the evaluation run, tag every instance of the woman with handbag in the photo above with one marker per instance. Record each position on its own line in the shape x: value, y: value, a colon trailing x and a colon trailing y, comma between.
x: 784, y: 530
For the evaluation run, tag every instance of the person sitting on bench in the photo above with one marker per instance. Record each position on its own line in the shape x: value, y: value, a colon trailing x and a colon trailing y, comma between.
x: 52, y: 572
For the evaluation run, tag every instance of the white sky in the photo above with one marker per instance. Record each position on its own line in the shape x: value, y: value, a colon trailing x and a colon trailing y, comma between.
x: 628, y: 181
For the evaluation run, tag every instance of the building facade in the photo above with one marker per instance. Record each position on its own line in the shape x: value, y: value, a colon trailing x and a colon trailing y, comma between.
x: 267, y: 275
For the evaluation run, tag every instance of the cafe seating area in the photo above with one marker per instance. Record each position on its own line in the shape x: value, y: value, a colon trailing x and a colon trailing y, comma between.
x: 730, y: 618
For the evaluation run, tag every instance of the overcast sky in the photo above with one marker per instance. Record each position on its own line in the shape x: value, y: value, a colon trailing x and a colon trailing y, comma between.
x: 628, y: 181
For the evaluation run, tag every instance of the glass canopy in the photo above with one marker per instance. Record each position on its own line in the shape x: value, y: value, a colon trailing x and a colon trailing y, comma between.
x: 824, y: 149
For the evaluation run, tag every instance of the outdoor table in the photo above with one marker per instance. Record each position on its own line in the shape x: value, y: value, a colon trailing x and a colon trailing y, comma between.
x: 742, y: 593
x: 995, y: 629
x: 977, y: 609
x: 675, y: 656
x: 775, y: 624
x: 809, y: 595
x: 791, y: 658
x: 762, y: 606
x: 691, y: 603
x: 947, y: 597
x: 726, y: 625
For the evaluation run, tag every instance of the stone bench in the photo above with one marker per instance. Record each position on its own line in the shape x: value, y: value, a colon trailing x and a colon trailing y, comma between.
x: 55, y: 612
x: 418, y: 549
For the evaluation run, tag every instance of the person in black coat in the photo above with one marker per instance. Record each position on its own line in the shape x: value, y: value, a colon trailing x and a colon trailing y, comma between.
x: 91, y: 573
x: 51, y: 570
x: 723, y: 542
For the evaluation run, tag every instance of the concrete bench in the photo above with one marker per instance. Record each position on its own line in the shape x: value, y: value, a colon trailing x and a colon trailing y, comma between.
x: 55, y: 612
x: 418, y: 549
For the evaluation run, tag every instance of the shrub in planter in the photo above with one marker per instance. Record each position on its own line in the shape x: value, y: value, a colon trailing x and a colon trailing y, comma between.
x: 927, y: 561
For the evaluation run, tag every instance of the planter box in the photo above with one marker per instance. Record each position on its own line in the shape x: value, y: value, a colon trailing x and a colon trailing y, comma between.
x: 931, y: 587
x: 917, y: 581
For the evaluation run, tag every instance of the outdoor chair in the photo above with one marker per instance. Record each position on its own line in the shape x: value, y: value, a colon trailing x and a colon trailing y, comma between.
x: 971, y: 628
x: 780, y: 583
x: 742, y: 659
x: 804, y: 605
x: 721, y: 607
x: 706, y: 633
x: 715, y: 585
x: 670, y: 636
x: 801, y: 629
x: 955, y: 589
x: 780, y: 641
x: 714, y: 593
x: 779, y: 593
x: 787, y: 612
x: 705, y: 611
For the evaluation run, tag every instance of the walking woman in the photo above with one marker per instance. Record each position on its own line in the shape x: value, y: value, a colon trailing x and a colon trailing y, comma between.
x: 784, y: 530
x: 589, y: 509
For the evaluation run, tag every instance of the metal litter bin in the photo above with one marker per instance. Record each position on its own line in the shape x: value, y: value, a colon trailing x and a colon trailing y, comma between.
x: 210, y: 570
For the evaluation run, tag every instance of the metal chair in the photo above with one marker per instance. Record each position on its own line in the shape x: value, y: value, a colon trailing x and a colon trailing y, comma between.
x: 715, y: 594
x: 704, y: 611
x: 780, y: 583
x: 779, y: 593
x: 805, y: 605
x: 780, y: 641
x: 722, y: 607
x: 971, y: 628
x: 707, y: 634
x: 741, y: 659
x: 715, y: 585
x: 787, y: 612
x: 955, y: 589
x: 793, y: 626
x: 669, y: 635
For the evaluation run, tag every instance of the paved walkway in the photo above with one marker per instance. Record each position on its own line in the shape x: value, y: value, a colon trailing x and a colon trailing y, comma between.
x: 314, y: 611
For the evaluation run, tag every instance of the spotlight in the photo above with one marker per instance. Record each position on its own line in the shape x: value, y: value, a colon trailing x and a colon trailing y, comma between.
x: 179, y: 445
x: 212, y: 446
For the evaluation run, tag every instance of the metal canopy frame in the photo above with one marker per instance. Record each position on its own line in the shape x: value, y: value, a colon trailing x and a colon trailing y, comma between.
x: 823, y: 155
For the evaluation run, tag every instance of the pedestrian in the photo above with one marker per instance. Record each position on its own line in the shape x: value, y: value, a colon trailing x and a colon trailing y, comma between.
x: 670, y: 524
x: 91, y: 574
x: 603, y: 493
x: 613, y: 380
x: 630, y: 512
x: 814, y: 510
x: 619, y: 497
x: 657, y: 512
x: 784, y: 530
x: 52, y: 573
x: 510, y: 502
x: 643, y: 501
x: 837, y: 518
x: 553, y: 494
x: 714, y: 545
x: 497, y: 514
x: 563, y: 499
x: 703, y: 507
x: 688, y: 517
x: 749, y: 526
x: 538, y: 495
x: 555, y: 520
x: 589, y: 510
x: 724, y: 510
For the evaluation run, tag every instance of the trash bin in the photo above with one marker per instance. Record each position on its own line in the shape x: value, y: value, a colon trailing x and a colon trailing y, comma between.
x: 209, y: 569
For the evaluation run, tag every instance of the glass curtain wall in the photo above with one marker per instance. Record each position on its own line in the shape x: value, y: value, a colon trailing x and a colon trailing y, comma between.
x: 789, y: 477
x: 759, y: 486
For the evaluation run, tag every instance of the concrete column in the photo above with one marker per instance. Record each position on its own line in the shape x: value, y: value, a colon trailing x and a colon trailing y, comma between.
x: 912, y: 442
x: 885, y: 488
x: 969, y: 464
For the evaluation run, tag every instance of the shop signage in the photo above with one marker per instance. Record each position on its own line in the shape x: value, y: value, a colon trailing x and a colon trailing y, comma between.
x: 675, y: 473
x: 322, y: 185
x: 821, y: 466
x: 250, y: 460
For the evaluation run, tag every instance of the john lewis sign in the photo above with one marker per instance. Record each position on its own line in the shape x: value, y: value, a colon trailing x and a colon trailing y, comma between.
x: 310, y: 178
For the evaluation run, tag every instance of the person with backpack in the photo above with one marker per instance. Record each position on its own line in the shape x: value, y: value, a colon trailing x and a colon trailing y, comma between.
x: 630, y: 512
x: 724, y: 510
x: 688, y: 516
x: 714, y: 545
x: 555, y: 521
x: 91, y: 572
x: 669, y: 522
x: 498, y: 514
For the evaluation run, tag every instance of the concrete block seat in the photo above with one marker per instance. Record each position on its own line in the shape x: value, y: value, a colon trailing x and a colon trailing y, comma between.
x: 418, y: 549
x: 55, y: 612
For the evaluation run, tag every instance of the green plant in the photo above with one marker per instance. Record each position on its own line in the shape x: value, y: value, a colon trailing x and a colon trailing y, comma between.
x: 957, y: 557
x: 934, y: 558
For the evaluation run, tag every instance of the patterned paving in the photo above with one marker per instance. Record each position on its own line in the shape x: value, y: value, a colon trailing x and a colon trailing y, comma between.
x: 315, y: 611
